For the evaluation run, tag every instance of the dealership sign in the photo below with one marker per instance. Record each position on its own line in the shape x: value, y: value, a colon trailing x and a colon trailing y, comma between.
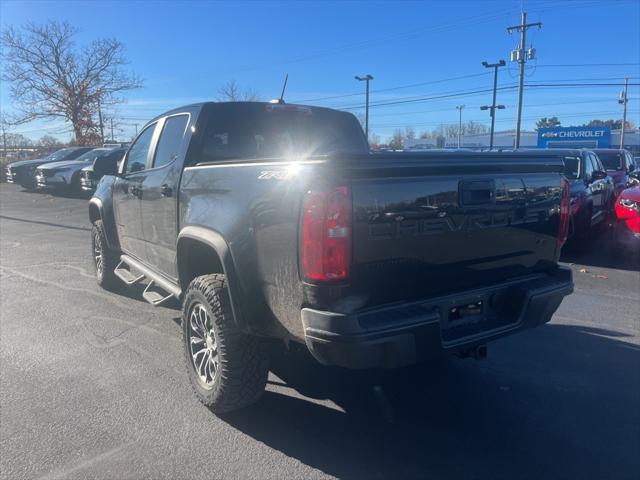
x: 594, y: 137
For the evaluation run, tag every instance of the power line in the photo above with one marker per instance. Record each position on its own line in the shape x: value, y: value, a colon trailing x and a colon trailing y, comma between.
x: 455, y: 94
x: 420, y: 98
x: 560, y: 65
x: 503, y: 120
x: 381, y: 90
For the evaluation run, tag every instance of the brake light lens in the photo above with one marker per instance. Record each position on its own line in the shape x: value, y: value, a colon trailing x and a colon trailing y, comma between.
x: 326, y: 235
x: 563, y: 228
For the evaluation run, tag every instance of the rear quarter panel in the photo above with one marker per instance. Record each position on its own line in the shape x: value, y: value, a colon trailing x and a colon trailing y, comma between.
x: 255, y: 207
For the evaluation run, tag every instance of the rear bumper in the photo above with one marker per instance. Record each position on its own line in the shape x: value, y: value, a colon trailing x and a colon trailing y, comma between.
x: 402, y: 334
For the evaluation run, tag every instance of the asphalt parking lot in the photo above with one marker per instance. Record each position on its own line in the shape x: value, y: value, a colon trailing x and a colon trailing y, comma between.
x: 92, y: 385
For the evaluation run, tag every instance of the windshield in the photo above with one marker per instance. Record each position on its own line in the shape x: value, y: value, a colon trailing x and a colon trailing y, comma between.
x: 611, y: 160
x: 91, y: 155
x: 259, y: 131
x: 572, y: 167
x: 60, y: 154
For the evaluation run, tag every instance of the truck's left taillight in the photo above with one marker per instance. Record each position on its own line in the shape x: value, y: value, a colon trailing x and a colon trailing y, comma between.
x: 563, y: 228
x: 326, y: 235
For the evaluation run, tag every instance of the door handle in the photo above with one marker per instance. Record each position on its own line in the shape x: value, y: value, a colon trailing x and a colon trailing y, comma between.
x: 165, y: 190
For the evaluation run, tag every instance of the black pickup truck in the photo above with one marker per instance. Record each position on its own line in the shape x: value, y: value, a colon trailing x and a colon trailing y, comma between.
x: 274, y: 222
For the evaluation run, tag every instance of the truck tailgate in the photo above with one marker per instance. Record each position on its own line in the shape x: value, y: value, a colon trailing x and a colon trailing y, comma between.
x: 424, y: 225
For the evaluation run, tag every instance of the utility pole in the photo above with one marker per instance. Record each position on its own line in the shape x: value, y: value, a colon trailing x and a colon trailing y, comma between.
x: 4, y: 138
x: 100, y: 120
x: 367, y: 78
x: 136, y: 125
x: 112, y: 140
x: 492, y: 108
x: 521, y: 56
x: 459, y: 108
x: 623, y: 100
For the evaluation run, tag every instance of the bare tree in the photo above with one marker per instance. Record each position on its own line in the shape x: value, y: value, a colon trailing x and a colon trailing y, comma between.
x: 47, y: 141
x: 17, y: 140
x: 51, y: 77
x: 397, y: 140
x: 468, y: 128
x: 409, y: 133
x: 232, y: 92
x: 374, y: 141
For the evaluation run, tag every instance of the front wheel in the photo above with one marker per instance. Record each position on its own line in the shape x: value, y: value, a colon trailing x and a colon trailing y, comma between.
x: 227, y: 368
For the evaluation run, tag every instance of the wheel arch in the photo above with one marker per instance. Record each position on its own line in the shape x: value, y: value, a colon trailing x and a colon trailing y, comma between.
x: 202, y: 251
x: 97, y: 212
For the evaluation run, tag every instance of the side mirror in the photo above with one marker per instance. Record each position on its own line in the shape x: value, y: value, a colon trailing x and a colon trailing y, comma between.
x: 105, y: 166
x: 598, y: 175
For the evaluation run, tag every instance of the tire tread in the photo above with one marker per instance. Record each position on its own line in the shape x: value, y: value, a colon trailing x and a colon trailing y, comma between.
x: 243, y: 358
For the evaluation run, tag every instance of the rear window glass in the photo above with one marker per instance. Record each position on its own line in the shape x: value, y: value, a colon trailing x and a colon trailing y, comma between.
x: 276, y: 131
x: 170, y: 140
x: 572, y: 167
x: 611, y: 161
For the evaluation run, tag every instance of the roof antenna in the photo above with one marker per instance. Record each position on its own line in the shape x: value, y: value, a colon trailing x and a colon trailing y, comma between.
x: 281, y: 99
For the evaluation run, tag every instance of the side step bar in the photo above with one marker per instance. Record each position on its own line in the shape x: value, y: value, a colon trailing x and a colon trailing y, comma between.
x: 126, y: 275
x: 156, y: 282
x: 154, y: 297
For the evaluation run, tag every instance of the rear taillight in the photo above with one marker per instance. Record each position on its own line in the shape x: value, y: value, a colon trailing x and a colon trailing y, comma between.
x: 563, y: 228
x: 326, y: 235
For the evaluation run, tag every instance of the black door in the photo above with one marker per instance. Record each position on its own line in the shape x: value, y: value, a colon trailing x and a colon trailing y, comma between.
x: 159, y: 198
x: 127, y: 192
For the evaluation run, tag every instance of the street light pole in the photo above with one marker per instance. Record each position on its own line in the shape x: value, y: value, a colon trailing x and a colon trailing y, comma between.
x: 367, y: 78
x: 493, y: 107
x: 459, y: 108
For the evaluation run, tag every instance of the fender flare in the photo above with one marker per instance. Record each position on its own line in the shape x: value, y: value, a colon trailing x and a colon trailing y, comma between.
x: 96, y: 205
x: 217, y: 243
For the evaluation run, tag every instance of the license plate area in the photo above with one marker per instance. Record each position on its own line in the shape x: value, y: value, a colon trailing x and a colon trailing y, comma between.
x: 466, y: 312
x: 472, y: 315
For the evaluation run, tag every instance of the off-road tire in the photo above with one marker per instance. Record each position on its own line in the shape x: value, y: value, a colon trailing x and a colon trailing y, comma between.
x: 110, y: 258
x: 243, y: 360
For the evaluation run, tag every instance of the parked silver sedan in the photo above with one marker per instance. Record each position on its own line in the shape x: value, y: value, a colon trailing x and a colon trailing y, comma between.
x: 67, y: 174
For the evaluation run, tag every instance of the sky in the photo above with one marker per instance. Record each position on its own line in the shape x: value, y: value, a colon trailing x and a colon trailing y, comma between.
x: 185, y: 51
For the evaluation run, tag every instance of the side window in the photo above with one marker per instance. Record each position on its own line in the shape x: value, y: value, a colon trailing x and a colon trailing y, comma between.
x: 170, y: 140
x: 137, y: 156
x: 631, y: 164
x: 597, y: 164
x: 588, y: 167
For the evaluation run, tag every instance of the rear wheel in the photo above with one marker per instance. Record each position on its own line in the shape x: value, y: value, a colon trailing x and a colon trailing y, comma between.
x: 227, y: 368
x: 105, y: 259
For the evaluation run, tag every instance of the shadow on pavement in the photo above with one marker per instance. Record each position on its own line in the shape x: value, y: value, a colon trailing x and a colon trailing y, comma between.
x: 558, y: 402
x: 49, y: 224
x: 602, y: 252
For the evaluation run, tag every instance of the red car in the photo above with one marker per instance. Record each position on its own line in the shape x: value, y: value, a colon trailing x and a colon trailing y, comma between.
x: 627, y: 228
